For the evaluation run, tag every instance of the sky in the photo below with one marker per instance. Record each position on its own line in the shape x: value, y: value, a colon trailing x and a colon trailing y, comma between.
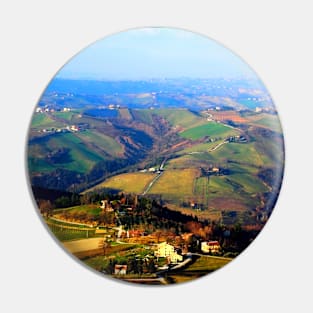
x: 155, y: 53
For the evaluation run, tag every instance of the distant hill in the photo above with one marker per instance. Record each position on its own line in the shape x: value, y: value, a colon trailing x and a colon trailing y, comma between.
x: 188, y: 93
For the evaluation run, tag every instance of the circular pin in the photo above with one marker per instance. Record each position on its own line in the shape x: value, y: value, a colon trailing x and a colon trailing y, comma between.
x: 155, y: 156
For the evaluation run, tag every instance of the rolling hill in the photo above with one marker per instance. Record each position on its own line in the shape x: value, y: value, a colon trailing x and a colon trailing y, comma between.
x: 215, y: 159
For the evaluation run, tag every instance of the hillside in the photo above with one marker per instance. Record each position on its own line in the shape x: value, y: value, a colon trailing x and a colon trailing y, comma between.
x: 216, y: 160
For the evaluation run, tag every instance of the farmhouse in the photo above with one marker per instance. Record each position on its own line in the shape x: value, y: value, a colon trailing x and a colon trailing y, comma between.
x: 165, y: 250
x: 214, y: 170
x: 210, y: 246
x: 105, y: 206
x: 74, y: 128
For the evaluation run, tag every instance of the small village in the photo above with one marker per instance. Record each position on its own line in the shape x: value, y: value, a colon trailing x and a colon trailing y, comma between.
x: 132, y: 252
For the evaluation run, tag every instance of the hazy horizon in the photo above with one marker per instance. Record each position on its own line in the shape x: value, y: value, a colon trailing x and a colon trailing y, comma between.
x: 155, y: 54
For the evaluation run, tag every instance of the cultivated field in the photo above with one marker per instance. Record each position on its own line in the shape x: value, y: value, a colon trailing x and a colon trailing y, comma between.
x: 233, y: 116
x: 176, y: 183
x: 211, y: 129
x: 129, y: 182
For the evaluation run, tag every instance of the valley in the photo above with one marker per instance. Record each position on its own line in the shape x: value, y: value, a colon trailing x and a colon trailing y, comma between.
x: 212, y: 157
x: 125, y: 175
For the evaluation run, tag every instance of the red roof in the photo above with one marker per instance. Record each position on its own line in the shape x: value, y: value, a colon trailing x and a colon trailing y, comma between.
x: 213, y: 243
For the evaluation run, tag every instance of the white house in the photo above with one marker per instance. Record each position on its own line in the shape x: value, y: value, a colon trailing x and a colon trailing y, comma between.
x: 165, y: 250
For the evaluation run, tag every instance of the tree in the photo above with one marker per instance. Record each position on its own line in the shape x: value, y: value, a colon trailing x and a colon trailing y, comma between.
x: 140, y: 267
x: 151, y: 266
x: 106, y: 245
x: 110, y: 267
x: 45, y: 207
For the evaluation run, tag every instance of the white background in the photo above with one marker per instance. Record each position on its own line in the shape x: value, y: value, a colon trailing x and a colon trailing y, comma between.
x: 274, y: 273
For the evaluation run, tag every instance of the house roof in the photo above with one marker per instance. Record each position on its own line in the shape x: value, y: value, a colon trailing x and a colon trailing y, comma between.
x: 213, y: 243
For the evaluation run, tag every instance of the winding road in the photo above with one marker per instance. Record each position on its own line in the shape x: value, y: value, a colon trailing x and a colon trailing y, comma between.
x: 151, y: 183
x: 218, y: 146
x: 155, y: 178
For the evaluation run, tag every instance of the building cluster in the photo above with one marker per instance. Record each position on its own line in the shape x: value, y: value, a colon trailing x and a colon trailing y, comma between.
x: 66, y: 129
x: 51, y: 110
x: 113, y: 106
x: 240, y: 139
x: 172, y: 254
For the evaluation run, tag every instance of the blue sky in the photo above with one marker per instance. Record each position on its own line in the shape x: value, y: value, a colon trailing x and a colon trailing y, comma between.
x: 154, y: 53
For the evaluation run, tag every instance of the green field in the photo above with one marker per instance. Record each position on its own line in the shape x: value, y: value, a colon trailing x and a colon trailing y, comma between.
x: 201, y: 147
x: 211, y: 129
x: 129, y: 182
x: 180, y: 117
x: 94, y: 210
x: 42, y: 120
x: 64, y: 115
x: 63, y: 232
x: 251, y: 184
x: 246, y: 153
x: 80, y: 157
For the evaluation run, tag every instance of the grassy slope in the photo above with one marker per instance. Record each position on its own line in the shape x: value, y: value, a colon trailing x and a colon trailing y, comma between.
x: 201, y: 147
x: 125, y: 114
x: 94, y: 210
x: 103, y: 142
x: 130, y: 182
x: 86, y: 148
x: 207, y: 263
x: 42, y: 120
x: 266, y: 120
x: 144, y: 115
x: 246, y: 153
x: 180, y: 117
x: 176, y: 183
x: 82, y: 159
x: 211, y: 129
x: 239, y: 187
